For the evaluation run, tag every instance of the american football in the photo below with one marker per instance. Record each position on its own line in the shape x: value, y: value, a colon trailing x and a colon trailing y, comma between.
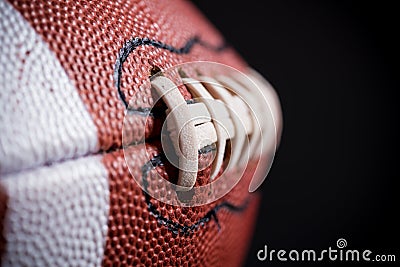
x: 131, y: 133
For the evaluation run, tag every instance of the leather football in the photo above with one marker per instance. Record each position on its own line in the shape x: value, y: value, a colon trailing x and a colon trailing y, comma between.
x: 87, y: 88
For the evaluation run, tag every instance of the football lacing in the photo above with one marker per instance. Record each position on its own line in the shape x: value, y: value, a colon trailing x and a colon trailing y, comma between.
x: 224, y: 109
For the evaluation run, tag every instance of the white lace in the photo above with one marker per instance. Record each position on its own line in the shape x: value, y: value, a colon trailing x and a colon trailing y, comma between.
x: 225, y: 108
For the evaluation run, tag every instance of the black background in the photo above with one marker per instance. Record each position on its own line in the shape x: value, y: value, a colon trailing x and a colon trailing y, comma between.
x: 333, y: 66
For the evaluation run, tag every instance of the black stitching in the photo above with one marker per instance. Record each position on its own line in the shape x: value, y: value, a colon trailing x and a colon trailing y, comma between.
x: 124, y: 52
x: 152, y: 112
x: 175, y: 227
x: 207, y: 149
x: 132, y: 44
x: 146, y: 111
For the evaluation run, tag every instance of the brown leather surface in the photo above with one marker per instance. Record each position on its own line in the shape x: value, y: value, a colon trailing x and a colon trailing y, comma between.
x: 86, y: 36
x: 136, y: 237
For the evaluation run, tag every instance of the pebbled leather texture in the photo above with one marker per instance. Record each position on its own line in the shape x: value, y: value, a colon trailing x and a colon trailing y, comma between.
x: 136, y: 236
x: 86, y: 38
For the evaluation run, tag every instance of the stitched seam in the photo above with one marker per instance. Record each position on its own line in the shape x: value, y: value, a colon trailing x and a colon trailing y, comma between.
x: 132, y: 44
x: 176, y: 227
x: 129, y: 47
